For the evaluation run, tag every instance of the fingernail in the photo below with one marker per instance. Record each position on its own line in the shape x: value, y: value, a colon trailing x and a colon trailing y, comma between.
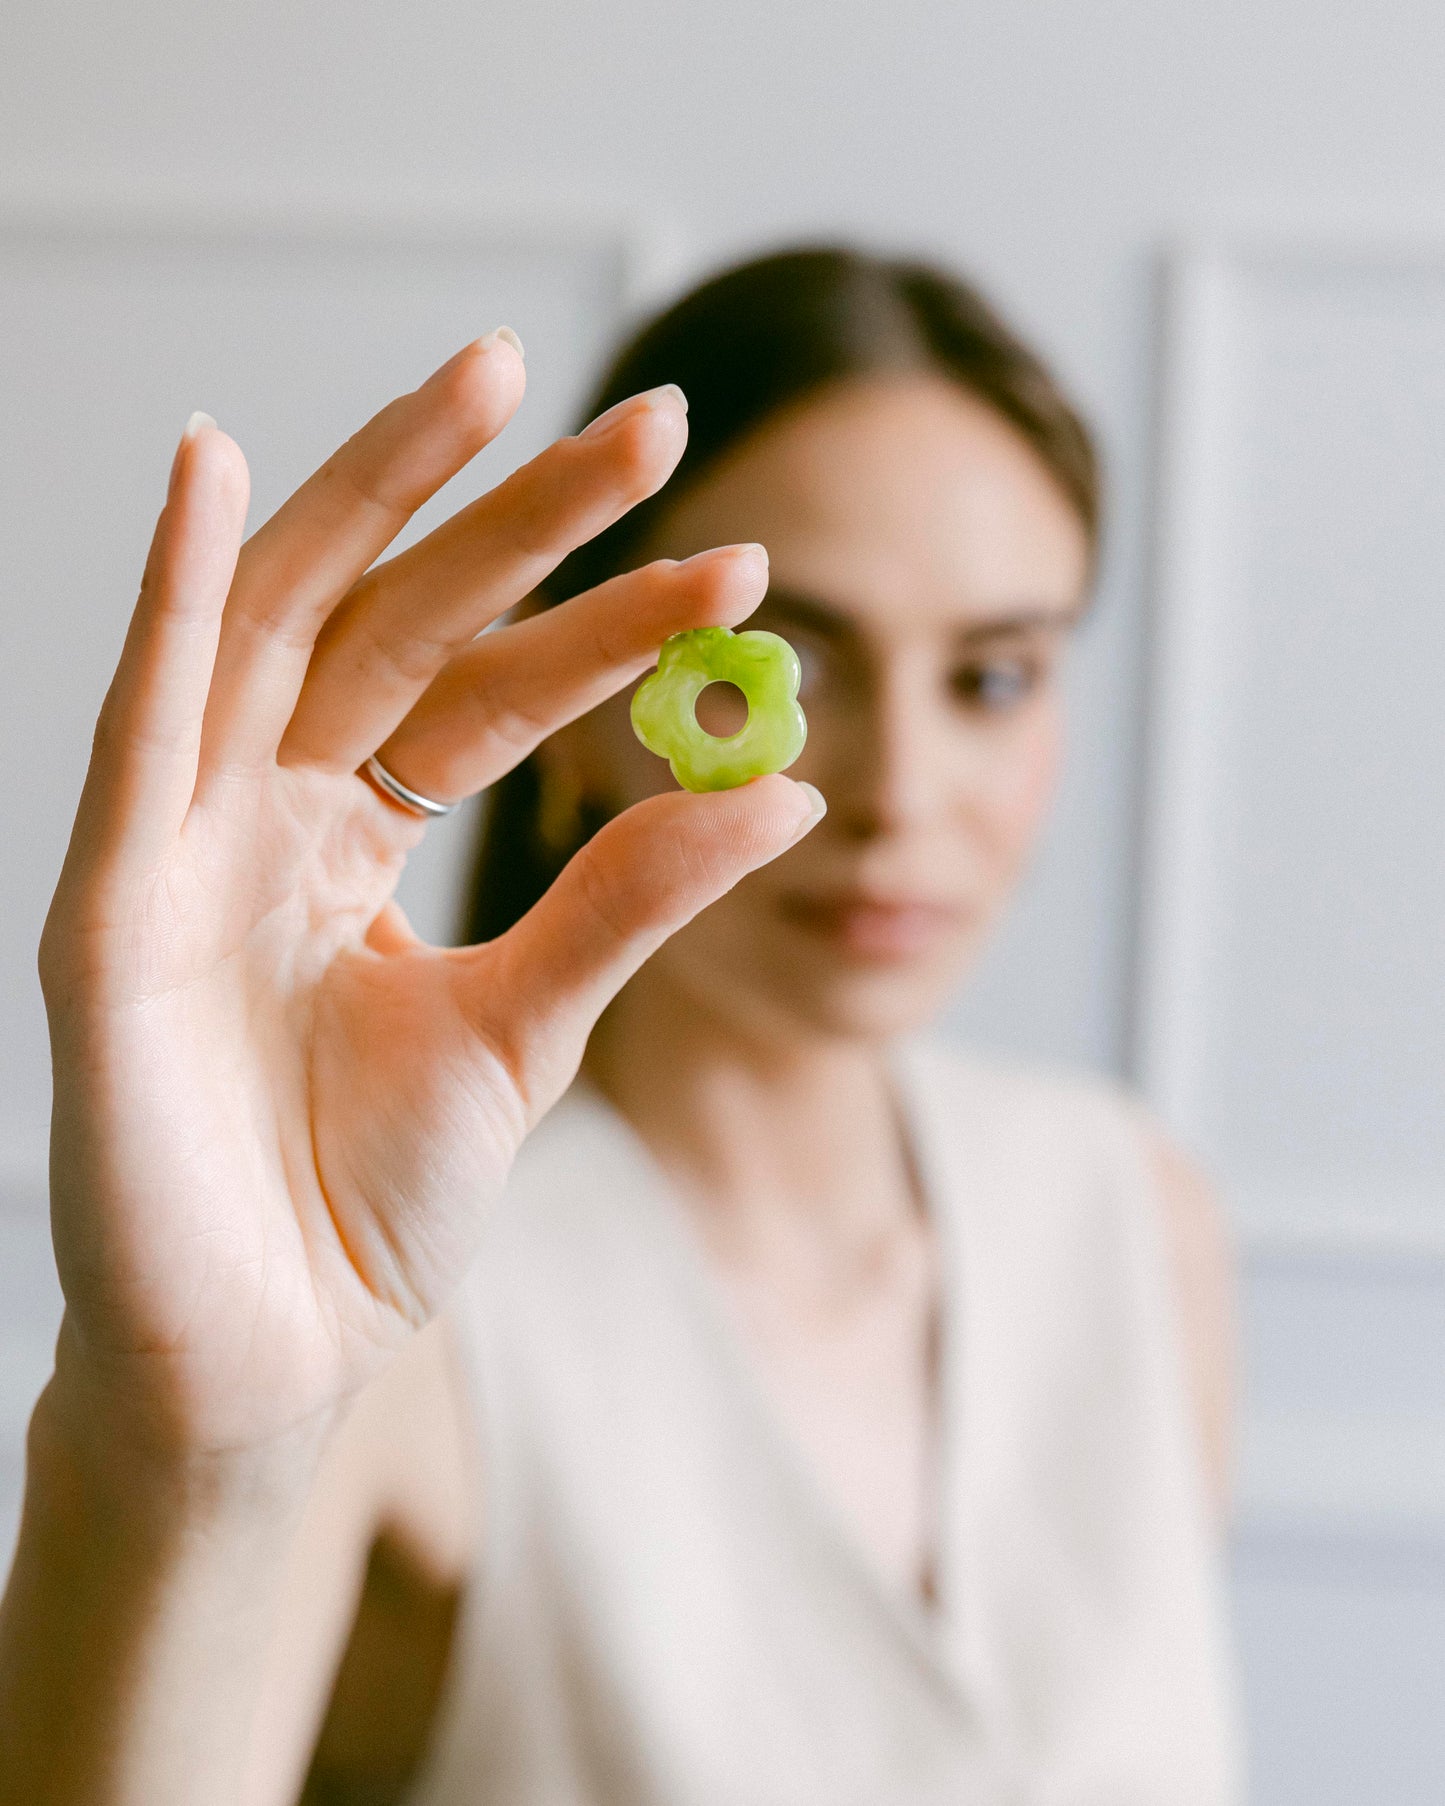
x: 817, y: 809
x: 668, y: 393
x: 745, y: 548
x: 192, y: 427
x: 499, y: 334
x: 506, y: 336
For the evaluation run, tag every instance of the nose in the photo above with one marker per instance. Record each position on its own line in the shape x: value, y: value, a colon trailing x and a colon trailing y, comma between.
x: 888, y: 765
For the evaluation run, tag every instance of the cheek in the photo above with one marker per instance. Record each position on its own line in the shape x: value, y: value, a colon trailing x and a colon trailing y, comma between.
x: 618, y: 768
x: 1019, y: 781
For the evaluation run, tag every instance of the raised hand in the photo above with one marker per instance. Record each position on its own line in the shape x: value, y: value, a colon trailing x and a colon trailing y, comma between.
x: 279, y: 1117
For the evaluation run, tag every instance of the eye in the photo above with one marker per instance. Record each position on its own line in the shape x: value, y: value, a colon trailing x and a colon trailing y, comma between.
x: 994, y: 685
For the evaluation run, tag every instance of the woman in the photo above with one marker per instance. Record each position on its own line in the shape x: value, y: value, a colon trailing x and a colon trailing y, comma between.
x: 826, y: 1417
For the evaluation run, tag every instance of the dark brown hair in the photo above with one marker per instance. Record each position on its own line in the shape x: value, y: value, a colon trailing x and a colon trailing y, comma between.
x: 743, y: 346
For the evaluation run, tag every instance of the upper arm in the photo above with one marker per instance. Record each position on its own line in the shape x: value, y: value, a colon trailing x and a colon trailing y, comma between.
x: 1202, y: 1267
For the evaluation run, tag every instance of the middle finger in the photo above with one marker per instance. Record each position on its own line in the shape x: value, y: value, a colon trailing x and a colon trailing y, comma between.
x: 406, y: 619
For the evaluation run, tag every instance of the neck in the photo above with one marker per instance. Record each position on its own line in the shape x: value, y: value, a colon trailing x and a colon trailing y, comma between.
x: 765, y: 1130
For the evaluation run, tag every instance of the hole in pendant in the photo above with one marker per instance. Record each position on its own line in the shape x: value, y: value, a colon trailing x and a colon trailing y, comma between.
x: 721, y: 710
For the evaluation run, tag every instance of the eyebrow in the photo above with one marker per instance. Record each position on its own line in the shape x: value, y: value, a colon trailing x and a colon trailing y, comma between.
x: 831, y: 623
x: 1023, y: 621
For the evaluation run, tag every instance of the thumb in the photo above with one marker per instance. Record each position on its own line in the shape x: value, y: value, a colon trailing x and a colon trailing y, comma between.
x: 637, y: 881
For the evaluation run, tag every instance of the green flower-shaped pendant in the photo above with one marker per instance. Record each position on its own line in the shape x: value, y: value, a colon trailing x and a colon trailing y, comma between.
x: 763, y: 666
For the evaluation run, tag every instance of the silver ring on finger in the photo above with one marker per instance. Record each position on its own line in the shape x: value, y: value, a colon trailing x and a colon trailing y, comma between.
x: 411, y: 800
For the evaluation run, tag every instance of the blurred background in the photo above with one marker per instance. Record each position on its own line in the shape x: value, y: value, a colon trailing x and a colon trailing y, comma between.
x: 1225, y: 223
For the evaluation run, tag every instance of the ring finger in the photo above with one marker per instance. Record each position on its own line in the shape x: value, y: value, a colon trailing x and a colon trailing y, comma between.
x: 506, y: 693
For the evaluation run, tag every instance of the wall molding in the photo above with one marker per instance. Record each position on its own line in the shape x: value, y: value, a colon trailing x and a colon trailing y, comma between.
x: 648, y: 247
x: 1182, y: 670
x: 1341, y: 1468
x: 1190, y: 703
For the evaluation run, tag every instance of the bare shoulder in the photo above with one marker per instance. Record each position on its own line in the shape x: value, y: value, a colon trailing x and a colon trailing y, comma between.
x: 1202, y: 1264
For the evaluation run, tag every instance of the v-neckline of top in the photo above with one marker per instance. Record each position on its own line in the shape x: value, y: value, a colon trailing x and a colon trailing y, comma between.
x: 936, y: 1632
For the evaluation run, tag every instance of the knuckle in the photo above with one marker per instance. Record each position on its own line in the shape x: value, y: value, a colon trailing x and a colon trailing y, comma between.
x: 577, y: 487
x: 679, y: 865
x: 70, y: 959
x: 634, y: 455
x: 528, y: 512
x: 614, y: 636
x: 363, y: 476
x: 703, y: 865
x: 269, y: 618
x: 605, y: 896
x: 414, y: 656
x: 50, y: 955
x: 518, y: 729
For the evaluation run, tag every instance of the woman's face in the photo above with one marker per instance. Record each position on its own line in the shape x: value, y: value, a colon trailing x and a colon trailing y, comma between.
x: 926, y: 568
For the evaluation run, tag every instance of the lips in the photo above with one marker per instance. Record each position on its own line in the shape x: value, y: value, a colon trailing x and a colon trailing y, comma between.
x: 874, y: 928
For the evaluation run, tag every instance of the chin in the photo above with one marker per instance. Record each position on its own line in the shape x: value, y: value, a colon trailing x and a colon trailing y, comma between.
x: 873, y: 979
x: 767, y: 975
x: 854, y: 1006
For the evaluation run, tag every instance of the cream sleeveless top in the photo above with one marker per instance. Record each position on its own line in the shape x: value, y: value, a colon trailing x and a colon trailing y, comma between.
x: 667, y: 1610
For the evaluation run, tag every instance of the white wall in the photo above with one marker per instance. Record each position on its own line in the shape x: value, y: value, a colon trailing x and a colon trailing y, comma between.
x: 1053, y: 147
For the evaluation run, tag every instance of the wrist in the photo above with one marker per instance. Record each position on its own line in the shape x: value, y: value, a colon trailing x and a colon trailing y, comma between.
x: 141, y: 1606
x: 115, y: 1463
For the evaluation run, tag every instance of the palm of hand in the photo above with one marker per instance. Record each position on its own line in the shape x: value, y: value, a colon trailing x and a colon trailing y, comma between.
x: 319, y: 1127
